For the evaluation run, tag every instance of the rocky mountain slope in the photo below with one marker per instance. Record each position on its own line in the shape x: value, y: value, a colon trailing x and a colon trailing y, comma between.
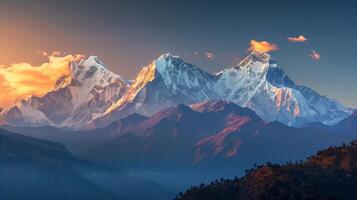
x: 348, y: 125
x: 213, y: 132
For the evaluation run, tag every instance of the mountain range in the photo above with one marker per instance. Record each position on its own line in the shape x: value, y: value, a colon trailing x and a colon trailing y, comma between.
x: 199, y: 142
x: 197, y: 133
x: 93, y: 96
x: 174, y: 125
x: 212, y: 133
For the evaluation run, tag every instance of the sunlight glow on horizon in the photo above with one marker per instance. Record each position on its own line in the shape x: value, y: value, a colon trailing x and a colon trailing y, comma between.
x: 22, y: 80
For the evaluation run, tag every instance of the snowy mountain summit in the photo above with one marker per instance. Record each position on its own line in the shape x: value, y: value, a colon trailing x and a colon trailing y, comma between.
x: 94, y: 97
x: 74, y: 101
x: 167, y: 81
x: 258, y: 83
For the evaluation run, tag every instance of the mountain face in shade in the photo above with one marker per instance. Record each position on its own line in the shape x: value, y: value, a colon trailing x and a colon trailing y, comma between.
x: 348, y: 125
x: 74, y: 101
x: 214, y: 133
x: 94, y: 97
x: 169, y: 135
x: 79, y: 140
x: 330, y: 174
x: 36, y: 169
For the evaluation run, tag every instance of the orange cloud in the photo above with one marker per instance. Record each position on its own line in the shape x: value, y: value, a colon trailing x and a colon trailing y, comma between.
x: 209, y: 55
x: 5, y: 90
x: 23, y: 80
x: 263, y: 46
x: 44, y: 53
x: 315, y: 55
x: 299, y: 38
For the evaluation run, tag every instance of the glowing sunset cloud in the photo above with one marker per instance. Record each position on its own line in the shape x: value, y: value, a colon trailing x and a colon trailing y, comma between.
x: 300, y: 38
x: 23, y: 80
x: 315, y: 55
x: 263, y: 46
x: 209, y: 55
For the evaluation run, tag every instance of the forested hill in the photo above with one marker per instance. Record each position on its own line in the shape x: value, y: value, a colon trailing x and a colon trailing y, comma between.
x: 330, y: 174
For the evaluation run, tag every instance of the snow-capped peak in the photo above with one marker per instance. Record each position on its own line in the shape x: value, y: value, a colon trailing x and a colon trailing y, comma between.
x: 93, y: 61
x: 256, y: 61
x: 259, y: 56
x: 174, y: 77
x: 75, y: 100
x: 258, y: 83
x: 167, y: 62
x: 168, y: 56
x: 92, y: 68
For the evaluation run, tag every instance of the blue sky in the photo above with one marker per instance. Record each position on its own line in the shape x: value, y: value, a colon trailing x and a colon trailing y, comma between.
x: 127, y: 35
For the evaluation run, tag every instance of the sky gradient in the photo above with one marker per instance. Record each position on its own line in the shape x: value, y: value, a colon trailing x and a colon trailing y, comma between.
x: 127, y: 35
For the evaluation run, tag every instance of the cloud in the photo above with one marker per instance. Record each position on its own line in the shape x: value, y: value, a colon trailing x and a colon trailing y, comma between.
x: 5, y: 91
x: 209, y: 55
x: 43, y: 53
x: 23, y: 80
x: 299, y: 38
x: 46, y: 54
x: 315, y: 55
x: 263, y: 46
